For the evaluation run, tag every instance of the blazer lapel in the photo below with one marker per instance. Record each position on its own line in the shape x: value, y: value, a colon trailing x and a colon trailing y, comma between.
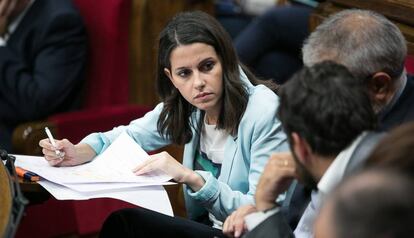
x: 191, y: 147
x: 229, y: 155
x: 189, y: 153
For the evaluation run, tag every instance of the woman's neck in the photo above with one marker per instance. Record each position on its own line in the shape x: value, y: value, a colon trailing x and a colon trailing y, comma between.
x: 211, y: 119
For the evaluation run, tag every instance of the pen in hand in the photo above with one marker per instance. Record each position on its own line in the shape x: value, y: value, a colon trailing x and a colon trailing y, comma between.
x: 58, y: 153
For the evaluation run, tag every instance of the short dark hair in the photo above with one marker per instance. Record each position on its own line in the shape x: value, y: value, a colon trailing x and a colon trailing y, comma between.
x: 184, y: 29
x: 326, y: 106
x: 376, y: 203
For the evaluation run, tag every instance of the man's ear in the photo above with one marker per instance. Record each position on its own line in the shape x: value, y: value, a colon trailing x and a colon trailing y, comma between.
x: 301, y: 148
x: 381, y: 87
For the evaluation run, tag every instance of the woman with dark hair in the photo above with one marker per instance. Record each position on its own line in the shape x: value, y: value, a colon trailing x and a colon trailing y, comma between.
x: 209, y: 104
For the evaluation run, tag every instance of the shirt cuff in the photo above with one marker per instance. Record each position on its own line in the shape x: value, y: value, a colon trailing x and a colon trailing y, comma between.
x: 209, y: 190
x: 254, y: 219
x: 95, y: 141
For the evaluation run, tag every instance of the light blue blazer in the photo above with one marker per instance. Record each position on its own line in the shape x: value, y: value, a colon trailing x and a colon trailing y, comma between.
x: 245, y: 155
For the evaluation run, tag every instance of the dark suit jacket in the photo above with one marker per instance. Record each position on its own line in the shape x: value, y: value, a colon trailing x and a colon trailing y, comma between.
x: 403, y: 110
x: 42, y: 65
x: 278, y: 226
x: 275, y: 226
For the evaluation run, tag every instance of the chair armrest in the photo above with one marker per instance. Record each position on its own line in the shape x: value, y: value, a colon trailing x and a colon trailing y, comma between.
x: 76, y: 125
x: 25, y: 139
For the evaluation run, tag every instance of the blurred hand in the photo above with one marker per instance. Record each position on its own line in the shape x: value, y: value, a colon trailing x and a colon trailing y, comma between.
x: 70, y: 157
x: 165, y: 163
x: 276, y: 178
x: 234, y: 225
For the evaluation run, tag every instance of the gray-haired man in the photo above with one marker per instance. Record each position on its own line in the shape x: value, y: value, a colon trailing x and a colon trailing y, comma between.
x: 374, y: 50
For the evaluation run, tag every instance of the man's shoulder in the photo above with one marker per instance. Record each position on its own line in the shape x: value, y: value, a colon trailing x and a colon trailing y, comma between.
x: 261, y: 109
x: 262, y: 101
x: 410, y: 85
x: 49, y: 10
x: 59, y: 6
x: 408, y: 92
x: 407, y: 99
x: 403, y: 110
x: 362, y: 151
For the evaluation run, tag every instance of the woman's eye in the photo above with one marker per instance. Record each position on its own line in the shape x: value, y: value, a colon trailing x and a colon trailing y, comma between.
x: 207, y: 66
x: 184, y: 73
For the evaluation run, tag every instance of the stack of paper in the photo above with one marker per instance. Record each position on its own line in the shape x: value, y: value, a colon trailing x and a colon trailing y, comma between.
x: 108, y: 175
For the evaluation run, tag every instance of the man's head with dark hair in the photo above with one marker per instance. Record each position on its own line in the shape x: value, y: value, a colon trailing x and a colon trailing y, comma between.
x: 323, y: 108
x: 375, y: 203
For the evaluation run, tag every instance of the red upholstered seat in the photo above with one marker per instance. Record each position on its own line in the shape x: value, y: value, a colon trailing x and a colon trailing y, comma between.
x: 107, y: 85
x: 76, y: 125
x: 105, y: 106
x: 107, y: 24
x: 409, y: 64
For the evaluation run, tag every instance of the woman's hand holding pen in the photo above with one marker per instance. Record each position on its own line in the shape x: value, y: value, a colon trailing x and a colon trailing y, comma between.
x: 166, y: 163
x: 73, y: 154
x: 49, y: 151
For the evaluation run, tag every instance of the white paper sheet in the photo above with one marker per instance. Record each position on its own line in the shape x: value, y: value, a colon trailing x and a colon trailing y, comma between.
x: 26, y: 162
x: 151, y: 197
x: 115, y: 164
x: 101, y: 187
x: 108, y: 175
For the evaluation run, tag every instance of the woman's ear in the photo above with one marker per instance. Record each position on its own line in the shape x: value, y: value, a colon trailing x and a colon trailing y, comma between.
x: 167, y: 73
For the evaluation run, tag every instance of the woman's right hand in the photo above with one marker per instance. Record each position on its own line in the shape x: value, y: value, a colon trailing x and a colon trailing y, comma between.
x: 70, y: 156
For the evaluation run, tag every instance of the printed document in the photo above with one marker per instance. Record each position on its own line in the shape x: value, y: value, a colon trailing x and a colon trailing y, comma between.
x: 108, y: 175
x: 115, y: 164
